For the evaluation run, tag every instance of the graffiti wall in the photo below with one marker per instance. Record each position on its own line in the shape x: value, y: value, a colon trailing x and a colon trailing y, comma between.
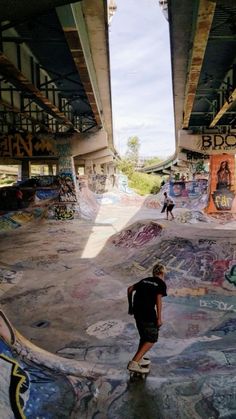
x: 137, y: 235
x: 122, y: 184
x: 64, y: 209
x: 26, y: 145
x: 98, y: 183
x: 190, y: 189
x: 29, y: 388
x: 222, y: 184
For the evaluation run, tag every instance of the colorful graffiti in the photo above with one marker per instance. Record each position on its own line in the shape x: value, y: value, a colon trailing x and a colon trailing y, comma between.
x: 66, y: 188
x: 122, y: 184
x: 26, y: 145
x: 231, y: 274
x: 190, y: 189
x: 137, y: 235
x: 222, y: 194
x: 97, y: 183
x: 63, y: 212
x: 13, y: 220
x: 192, y: 264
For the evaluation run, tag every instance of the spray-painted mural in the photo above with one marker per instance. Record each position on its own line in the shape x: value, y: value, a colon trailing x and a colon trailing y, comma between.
x: 222, y: 184
x: 190, y: 189
x: 122, y: 184
x: 98, y: 183
x: 26, y: 145
x: 137, y: 235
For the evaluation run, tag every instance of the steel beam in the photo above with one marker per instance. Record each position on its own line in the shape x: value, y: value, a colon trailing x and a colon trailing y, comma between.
x: 204, y: 21
x: 227, y: 105
x: 14, y: 76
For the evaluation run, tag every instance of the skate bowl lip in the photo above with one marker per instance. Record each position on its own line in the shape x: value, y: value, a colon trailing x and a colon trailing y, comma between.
x: 25, y: 349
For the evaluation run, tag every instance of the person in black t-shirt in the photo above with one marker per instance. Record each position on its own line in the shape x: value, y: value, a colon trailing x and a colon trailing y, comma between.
x: 146, y: 306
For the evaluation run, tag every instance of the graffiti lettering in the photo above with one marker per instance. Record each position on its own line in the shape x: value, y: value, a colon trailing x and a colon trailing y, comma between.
x: 218, y: 142
x: 223, y: 201
x: 219, y: 305
x: 25, y: 145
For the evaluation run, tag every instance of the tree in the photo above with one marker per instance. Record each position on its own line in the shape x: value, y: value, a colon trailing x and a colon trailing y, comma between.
x: 133, y: 145
x: 126, y: 166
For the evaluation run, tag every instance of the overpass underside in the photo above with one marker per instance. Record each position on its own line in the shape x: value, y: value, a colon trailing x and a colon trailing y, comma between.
x: 203, y: 56
x: 55, y: 96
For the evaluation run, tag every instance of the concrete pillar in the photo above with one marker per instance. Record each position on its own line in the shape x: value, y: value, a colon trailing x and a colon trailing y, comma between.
x: 25, y: 169
x: 65, y: 159
x: 19, y: 172
x: 88, y: 169
x: 68, y: 193
x: 50, y: 169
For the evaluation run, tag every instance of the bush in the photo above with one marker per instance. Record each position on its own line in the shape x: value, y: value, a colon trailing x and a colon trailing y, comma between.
x: 145, y: 184
x: 6, y: 181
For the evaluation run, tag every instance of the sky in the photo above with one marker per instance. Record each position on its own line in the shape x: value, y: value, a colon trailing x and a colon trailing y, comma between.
x: 142, y: 101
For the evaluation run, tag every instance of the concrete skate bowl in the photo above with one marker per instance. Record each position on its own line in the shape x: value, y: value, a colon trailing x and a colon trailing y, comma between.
x: 37, y: 384
x: 195, y: 357
x: 193, y: 364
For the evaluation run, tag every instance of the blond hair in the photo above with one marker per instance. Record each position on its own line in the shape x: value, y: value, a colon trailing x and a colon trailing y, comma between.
x: 157, y: 269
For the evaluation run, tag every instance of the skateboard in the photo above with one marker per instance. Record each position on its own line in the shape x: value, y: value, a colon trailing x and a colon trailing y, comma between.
x: 135, y: 376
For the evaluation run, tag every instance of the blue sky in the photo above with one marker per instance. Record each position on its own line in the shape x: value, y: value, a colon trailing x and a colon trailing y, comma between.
x: 142, y: 99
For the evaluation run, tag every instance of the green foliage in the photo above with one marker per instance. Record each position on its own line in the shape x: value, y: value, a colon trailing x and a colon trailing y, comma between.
x: 6, y: 181
x: 133, y: 145
x: 145, y: 184
x: 126, y: 166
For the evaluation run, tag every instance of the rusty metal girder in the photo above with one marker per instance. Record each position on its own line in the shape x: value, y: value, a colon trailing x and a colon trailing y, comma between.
x: 227, y: 105
x: 14, y: 76
x: 24, y: 115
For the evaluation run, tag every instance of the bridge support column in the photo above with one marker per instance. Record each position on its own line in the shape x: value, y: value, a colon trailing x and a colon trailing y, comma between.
x: 25, y: 170
x: 65, y: 208
x: 50, y: 169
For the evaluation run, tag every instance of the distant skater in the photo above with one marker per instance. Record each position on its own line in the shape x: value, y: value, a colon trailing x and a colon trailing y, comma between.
x: 146, y: 306
x: 169, y: 202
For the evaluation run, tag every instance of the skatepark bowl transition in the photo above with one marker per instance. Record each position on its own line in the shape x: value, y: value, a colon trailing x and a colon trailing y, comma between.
x: 66, y: 337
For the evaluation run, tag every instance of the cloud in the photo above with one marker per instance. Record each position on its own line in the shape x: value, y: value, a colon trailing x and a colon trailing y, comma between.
x: 141, y: 77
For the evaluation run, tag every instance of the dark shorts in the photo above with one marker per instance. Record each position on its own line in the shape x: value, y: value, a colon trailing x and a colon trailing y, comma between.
x: 148, y: 331
x: 170, y: 207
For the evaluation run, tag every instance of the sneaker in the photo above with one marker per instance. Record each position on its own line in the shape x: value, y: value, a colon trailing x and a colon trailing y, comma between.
x: 145, y: 362
x: 136, y: 367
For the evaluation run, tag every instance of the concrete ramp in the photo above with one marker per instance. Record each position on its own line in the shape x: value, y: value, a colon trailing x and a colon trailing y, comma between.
x: 37, y: 384
x: 50, y: 277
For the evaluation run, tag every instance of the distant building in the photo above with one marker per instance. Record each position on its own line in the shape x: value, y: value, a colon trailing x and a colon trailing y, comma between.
x: 164, y: 6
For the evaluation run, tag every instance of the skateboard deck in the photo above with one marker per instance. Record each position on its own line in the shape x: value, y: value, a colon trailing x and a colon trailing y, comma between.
x: 135, y: 376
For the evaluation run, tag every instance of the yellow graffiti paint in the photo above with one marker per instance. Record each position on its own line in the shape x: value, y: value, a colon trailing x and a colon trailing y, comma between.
x: 21, y: 379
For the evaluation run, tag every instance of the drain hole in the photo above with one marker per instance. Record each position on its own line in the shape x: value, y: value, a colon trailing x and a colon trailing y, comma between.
x: 41, y: 324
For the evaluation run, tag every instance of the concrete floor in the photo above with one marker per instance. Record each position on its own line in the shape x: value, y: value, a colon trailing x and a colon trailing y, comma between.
x: 63, y: 288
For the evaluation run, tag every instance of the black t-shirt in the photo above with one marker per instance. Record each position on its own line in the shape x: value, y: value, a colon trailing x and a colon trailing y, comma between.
x: 145, y: 297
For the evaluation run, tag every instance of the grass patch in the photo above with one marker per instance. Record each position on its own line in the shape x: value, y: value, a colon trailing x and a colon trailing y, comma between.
x: 145, y: 184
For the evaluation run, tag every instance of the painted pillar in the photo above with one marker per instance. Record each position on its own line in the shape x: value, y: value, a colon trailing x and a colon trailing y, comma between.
x: 68, y: 194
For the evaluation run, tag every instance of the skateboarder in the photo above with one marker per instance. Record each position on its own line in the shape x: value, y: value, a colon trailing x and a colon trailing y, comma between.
x: 169, y: 205
x: 146, y: 306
